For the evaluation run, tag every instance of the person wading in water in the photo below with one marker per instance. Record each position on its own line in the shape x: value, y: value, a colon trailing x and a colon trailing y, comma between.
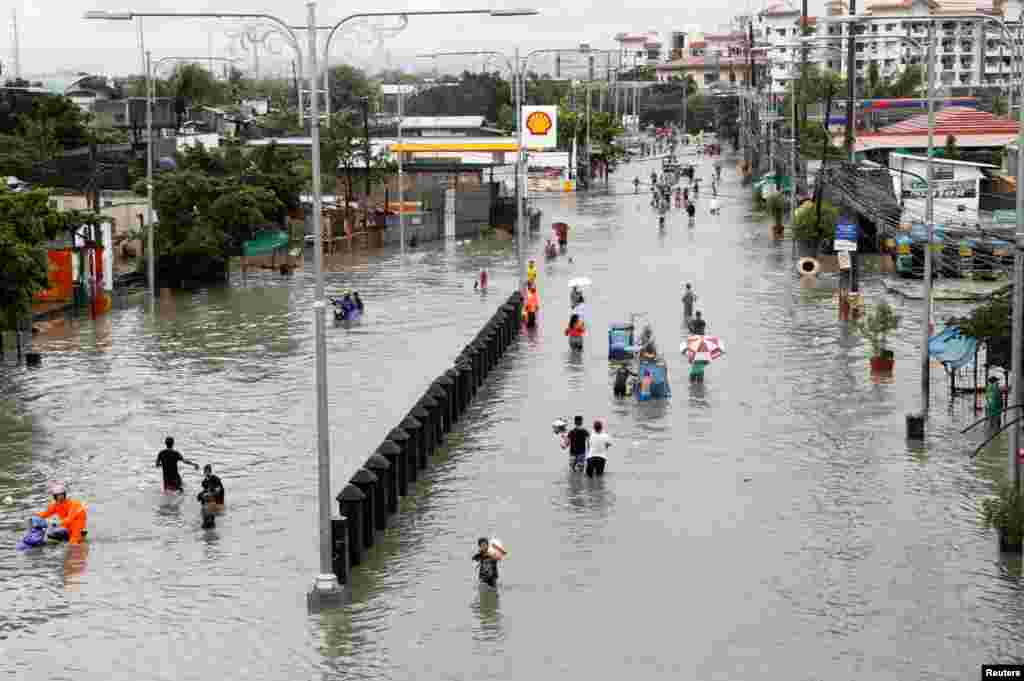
x: 169, y: 459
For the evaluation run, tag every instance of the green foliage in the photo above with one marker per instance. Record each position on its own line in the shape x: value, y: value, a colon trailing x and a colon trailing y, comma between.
x: 876, y: 325
x: 26, y: 223
x: 990, y: 321
x: 218, y: 199
x: 343, y: 150
x: 758, y: 197
x: 348, y: 86
x: 776, y: 205
x: 476, y: 94
x: 807, y: 227
x: 603, y: 133
x: 1005, y: 512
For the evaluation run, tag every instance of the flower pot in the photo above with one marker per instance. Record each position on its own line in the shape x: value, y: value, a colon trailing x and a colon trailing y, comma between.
x: 882, y: 365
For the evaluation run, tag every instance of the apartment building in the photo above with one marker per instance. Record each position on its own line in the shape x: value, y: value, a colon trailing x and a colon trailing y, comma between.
x: 968, y: 52
x: 711, y: 59
x: 639, y: 49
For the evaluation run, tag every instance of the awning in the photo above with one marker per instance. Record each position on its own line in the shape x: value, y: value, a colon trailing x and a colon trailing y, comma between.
x: 952, y: 348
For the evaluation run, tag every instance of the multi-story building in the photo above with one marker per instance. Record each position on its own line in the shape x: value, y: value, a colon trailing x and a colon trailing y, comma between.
x: 639, y: 49
x: 968, y: 52
x: 711, y: 59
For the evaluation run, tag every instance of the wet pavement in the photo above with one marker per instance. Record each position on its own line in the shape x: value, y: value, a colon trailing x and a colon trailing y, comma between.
x: 772, y: 522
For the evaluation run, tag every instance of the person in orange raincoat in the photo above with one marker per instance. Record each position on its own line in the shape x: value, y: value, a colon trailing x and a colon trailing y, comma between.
x: 71, y: 512
x: 531, y: 307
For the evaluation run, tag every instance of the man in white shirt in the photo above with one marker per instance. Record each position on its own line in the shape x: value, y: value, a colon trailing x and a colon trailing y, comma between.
x: 600, y: 443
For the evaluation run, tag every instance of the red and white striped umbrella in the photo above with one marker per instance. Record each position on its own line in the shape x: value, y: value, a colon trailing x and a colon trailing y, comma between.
x: 706, y: 348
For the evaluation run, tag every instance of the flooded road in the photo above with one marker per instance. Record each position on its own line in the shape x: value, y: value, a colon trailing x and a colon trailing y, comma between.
x: 772, y: 521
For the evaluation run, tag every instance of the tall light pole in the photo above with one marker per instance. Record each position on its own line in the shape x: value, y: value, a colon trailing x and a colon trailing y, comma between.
x: 151, y: 70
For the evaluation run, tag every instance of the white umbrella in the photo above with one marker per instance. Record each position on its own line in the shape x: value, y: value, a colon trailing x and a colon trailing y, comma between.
x: 579, y: 282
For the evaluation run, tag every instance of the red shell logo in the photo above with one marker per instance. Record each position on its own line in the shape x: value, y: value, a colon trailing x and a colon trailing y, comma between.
x: 538, y: 123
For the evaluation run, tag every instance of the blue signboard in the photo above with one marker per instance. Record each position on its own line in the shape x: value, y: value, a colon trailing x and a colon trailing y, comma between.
x: 846, y: 231
x: 919, y: 232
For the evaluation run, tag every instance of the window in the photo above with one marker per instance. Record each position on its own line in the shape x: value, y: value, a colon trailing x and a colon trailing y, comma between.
x: 941, y: 171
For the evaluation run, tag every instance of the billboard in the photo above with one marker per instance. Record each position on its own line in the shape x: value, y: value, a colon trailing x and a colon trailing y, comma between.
x: 540, y: 127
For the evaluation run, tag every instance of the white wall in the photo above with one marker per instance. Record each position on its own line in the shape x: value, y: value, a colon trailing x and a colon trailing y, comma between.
x: 962, y: 190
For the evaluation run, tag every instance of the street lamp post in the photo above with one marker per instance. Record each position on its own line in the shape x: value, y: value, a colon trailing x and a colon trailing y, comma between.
x: 151, y: 70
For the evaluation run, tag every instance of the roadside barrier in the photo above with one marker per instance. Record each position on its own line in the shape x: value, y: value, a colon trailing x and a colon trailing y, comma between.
x: 372, y: 495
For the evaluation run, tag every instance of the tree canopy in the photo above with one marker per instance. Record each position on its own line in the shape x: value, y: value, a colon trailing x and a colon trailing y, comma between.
x: 217, y: 199
x: 26, y: 223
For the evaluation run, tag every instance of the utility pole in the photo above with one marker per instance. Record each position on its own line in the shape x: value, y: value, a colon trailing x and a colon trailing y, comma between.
x: 930, y: 218
x: 16, y: 42
x: 366, y: 151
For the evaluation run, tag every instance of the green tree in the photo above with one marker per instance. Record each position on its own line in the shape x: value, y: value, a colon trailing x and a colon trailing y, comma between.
x: 348, y: 85
x: 808, y: 227
x: 197, y: 86
x: 873, y: 81
x: 26, y: 223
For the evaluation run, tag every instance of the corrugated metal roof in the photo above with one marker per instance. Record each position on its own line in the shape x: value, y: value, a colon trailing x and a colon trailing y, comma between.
x: 953, y: 120
x: 869, y: 142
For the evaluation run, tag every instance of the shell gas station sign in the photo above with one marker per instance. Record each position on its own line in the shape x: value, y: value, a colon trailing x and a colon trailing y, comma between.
x: 540, y: 127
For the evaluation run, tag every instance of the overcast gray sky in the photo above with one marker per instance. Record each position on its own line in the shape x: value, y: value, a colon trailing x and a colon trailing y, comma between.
x: 54, y: 36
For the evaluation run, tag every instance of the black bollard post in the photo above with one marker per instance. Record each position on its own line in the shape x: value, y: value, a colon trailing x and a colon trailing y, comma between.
x: 407, y: 460
x: 469, y: 358
x: 453, y: 376
x: 339, y: 548
x: 465, y: 369
x: 420, y: 434
x: 498, y: 322
x: 350, y: 504
x: 480, y: 362
x: 387, y: 488
x: 33, y: 359
x: 366, y: 481
x: 430, y: 422
x: 447, y: 384
x: 440, y: 395
x: 510, y: 310
x: 915, y: 427
x: 491, y: 338
x: 485, y: 350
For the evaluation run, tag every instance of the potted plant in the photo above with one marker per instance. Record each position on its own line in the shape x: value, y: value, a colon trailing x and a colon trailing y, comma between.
x: 1005, y: 514
x: 776, y: 205
x: 875, y: 327
x: 809, y: 231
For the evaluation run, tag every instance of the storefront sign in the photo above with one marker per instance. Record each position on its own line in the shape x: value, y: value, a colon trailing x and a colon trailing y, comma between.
x: 944, y: 189
x: 540, y: 127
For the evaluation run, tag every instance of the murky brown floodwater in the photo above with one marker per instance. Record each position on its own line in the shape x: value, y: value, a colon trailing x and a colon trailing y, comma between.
x: 772, y: 523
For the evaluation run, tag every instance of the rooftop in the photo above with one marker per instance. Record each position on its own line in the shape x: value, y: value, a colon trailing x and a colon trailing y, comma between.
x: 953, y: 120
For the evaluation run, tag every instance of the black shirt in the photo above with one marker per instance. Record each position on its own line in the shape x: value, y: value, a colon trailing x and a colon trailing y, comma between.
x: 578, y: 438
x: 169, y: 459
x: 698, y: 327
x: 488, y: 568
x: 214, y: 488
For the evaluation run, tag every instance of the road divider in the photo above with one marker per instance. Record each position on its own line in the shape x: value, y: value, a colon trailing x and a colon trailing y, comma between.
x: 371, y: 498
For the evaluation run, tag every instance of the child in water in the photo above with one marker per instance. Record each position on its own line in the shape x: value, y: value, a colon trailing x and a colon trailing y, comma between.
x: 488, y: 569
